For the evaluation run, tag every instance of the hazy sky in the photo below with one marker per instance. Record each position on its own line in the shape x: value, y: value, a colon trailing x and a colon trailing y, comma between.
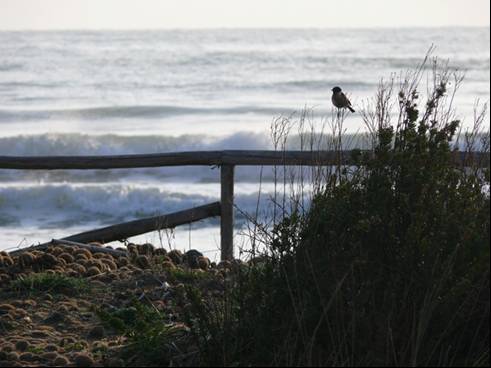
x: 145, y: 14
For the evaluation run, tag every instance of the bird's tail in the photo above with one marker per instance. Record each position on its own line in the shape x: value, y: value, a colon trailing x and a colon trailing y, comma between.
x: 350, y: 108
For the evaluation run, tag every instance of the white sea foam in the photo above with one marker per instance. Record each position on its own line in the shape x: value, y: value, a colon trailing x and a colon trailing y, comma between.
x: 106, y: 203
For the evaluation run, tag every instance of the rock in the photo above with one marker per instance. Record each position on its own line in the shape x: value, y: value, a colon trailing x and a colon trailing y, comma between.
x: 61, y: 361
x: 191, y: 258
x: 7, y: 348
x: 85, y: 252
x: 30, y: 303
x: 176, y: 256
x: 168, y: 265
x: 97, y: 332
x: 48, y: 260
x: 81, y: 258
x: 20, y: 313
x: 6, y: 261
x: 92, y: 271
x: 142, y: 262
x: 123, y: 261
x: 13, y: 356
x: 99, y: 255
x: 132, y: 249
x: 39, y: 334
x: 69, y: 340
x: 51, y: 347
x: 193, y: 253
x: 67, y: 257
x: 78, y: 268
x: 203, y: 263
x: 28, y: 357
x: 109, y: 263
x: 55, y: 318
x: 26, y: 259
x: 145, y: 249
x: 6, y: 308
x: 83, y: 360
x: 51, y: 355
x: 160, y: 252
x: 55, y: 250
x: 21, y: 345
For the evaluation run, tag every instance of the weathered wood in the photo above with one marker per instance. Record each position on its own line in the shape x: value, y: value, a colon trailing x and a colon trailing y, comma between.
x: 227, y: 212
x: 92, y: 248
x: 171, y: 159
x: 128, y: 229
x: 195, y: 158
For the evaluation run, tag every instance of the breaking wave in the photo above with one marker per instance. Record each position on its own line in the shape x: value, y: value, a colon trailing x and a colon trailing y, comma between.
x: 108, y: 203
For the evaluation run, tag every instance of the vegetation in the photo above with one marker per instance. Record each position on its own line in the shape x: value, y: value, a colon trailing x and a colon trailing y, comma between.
x: 151, y: 339
x: 50, y: 283
x: 389, y: 265
x: 180, y: 275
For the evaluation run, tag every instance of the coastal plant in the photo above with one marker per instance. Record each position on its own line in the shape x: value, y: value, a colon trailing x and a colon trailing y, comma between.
x: 50, y: 283
x: 183, y: 275
x: 151, y: 339
x: 386, y: 263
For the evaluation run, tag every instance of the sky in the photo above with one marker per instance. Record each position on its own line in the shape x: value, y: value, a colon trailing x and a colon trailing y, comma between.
x: 157, y: 14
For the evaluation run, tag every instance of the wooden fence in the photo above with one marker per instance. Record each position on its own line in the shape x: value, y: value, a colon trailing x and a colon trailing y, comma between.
x: 226, y: 160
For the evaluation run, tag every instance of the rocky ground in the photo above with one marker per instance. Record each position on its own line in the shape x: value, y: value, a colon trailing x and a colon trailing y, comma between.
x: 70, y: 306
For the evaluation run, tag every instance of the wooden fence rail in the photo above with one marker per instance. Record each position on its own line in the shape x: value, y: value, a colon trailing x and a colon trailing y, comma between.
x: 128, y: 229
x: 195, y: 158
x: 227, y: 160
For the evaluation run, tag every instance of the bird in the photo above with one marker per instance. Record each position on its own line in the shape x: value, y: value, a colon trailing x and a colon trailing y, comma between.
x: 340, y: 100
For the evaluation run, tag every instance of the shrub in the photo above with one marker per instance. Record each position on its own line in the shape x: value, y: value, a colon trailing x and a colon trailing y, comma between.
x: 388, y: 266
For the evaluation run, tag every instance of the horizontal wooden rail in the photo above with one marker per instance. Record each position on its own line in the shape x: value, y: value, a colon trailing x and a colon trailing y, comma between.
x: 128, y: 229
x: 194, y: 158
x: 137, y: 227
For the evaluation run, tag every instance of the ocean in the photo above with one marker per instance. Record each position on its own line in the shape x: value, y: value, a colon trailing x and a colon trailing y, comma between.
x: 124, y: 92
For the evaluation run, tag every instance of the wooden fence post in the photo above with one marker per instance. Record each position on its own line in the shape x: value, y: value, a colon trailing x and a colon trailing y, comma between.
x: 227, y: 212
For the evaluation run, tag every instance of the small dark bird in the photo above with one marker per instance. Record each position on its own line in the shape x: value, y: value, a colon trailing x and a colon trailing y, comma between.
x: 340, y: 100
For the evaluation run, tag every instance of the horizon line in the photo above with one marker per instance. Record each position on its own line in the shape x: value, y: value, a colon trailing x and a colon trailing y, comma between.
x: 245, y: 28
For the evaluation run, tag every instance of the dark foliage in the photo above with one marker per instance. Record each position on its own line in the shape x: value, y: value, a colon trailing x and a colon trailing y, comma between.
x: 390, y: 265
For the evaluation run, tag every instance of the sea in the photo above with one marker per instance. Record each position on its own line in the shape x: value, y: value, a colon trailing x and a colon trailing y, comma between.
x: 127, y: 92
